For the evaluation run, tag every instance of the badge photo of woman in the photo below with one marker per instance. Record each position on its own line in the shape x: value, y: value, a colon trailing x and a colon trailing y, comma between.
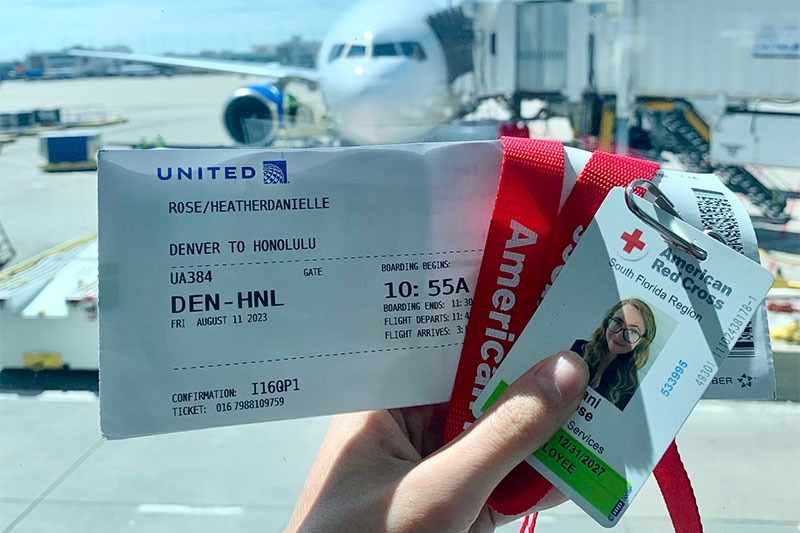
x: 618, y: 349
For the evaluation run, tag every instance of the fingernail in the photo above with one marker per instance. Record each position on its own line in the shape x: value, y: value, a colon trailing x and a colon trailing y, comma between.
x: 565, y: 375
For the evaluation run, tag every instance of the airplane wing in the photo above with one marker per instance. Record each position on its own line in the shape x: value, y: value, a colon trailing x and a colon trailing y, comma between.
x: 275, y: 71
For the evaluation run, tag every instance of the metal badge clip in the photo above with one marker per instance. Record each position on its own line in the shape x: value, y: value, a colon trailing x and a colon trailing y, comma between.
x: 661, y: 200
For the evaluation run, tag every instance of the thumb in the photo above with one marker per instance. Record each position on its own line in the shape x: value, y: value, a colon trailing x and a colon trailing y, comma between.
x: 527, y: 414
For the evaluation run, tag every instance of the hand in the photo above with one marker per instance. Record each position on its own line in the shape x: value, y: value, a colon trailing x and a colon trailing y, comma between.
x: 386, y: 470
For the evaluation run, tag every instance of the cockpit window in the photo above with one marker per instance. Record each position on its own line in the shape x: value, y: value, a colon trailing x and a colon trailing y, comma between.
x: 413, y: 50
x: 357, y: 50
x: 336, y: 51
x: 384, y: 49
x: 410, y: 49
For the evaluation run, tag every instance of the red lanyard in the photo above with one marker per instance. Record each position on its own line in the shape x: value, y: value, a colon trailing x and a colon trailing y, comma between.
x: 529, y: 240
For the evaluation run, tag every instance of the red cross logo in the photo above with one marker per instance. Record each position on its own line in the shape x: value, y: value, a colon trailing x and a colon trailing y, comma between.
x: 632, y: 240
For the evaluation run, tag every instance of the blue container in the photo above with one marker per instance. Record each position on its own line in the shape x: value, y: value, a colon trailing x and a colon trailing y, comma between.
x: 73, y: 146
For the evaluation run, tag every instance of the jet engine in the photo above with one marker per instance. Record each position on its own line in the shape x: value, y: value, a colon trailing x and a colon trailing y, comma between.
x: 252, y: 114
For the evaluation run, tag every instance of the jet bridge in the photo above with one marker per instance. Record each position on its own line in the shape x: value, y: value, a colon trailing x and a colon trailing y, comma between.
x: 454, y: 31
x: 714, y: 82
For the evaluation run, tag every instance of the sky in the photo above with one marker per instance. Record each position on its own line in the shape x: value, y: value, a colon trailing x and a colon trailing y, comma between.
x: 158, y: 26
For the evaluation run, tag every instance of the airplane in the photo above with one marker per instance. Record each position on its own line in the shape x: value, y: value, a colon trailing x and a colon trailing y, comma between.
x: 384, y: 70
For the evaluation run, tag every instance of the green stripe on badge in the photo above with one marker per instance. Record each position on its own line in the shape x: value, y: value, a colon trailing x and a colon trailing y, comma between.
x: 586, y: 473
x: 495, y: 395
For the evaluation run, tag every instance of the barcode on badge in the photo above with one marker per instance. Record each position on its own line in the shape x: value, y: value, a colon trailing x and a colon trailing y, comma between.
x: 717, y: 214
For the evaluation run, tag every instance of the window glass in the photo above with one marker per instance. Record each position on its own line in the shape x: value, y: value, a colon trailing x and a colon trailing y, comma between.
x: 357, y: 50
x: 413, y: 50
x: 384, y: 49
x: 697, y: 87
x: 336, y: 51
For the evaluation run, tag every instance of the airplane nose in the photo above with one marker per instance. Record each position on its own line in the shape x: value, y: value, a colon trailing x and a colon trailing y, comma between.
x: 383, y: 101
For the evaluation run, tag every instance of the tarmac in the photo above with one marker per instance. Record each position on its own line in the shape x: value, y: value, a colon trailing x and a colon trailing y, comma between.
x: 58, y: 474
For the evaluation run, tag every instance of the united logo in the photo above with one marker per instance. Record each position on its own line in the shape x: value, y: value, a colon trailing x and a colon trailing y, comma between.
x: 275, y: 172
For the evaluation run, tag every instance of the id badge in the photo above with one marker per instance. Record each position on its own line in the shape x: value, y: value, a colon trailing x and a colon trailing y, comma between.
x: 654, y: 320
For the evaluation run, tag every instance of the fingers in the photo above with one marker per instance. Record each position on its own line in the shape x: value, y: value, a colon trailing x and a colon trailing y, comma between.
x: 525, y: 416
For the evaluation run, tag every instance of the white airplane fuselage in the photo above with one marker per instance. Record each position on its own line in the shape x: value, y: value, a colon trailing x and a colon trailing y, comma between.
x: 388, y: 82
